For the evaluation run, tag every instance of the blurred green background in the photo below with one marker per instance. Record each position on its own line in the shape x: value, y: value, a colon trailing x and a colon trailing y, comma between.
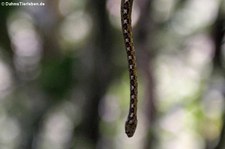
x: 64, y: 79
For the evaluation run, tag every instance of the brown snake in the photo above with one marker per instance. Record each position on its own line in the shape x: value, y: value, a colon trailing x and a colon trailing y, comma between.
x: 126, y: 9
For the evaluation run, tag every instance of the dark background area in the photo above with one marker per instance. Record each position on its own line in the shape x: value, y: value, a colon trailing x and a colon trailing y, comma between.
x: 64, y: 79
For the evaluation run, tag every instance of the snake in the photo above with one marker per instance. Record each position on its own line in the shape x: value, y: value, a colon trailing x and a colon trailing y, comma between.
x: 126, y: 11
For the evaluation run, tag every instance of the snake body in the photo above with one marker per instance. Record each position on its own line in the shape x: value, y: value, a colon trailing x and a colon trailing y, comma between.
x: 126, y: 10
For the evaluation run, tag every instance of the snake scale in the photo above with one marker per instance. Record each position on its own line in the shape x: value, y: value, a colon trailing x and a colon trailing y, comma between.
x: 126, y: 10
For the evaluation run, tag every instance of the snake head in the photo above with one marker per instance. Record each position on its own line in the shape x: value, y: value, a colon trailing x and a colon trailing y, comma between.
x: 130, y: 127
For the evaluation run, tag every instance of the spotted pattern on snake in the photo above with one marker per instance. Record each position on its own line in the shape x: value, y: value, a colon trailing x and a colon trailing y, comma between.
x: 126, y: 9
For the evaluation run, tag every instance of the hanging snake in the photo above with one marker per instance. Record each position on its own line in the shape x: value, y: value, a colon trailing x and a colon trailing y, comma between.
x: 126, y: 9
